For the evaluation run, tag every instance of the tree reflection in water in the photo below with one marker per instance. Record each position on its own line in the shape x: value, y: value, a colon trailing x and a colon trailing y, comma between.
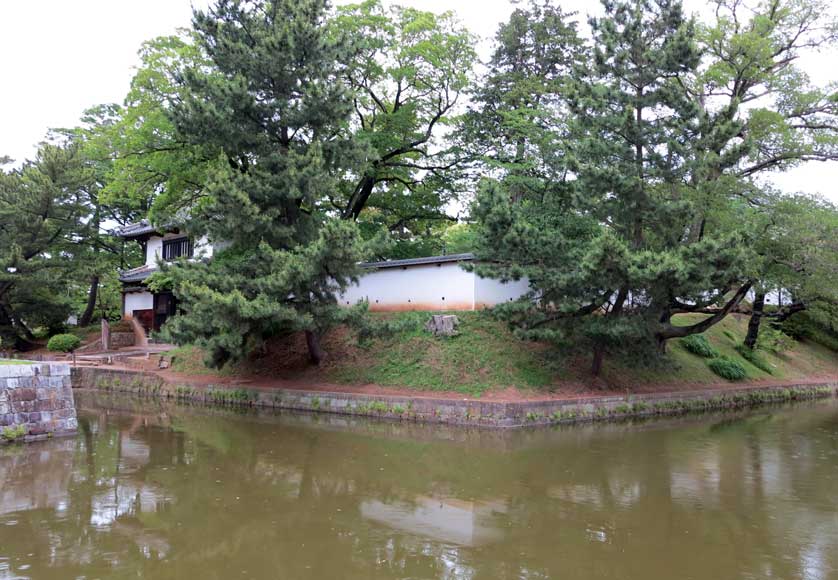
x: 160, y: 491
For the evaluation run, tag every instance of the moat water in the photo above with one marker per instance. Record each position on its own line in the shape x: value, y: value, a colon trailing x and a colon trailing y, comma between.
x: 156, y: 490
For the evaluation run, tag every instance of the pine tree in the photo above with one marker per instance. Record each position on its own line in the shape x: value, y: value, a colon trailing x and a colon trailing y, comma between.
x: 659, y: 211
x: 42, y: 212
x: 517, y: 126
x: 605, y: 254
x: 272, y: 103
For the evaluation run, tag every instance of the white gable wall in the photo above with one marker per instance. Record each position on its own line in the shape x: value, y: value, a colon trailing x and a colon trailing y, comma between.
x: 443, y: 286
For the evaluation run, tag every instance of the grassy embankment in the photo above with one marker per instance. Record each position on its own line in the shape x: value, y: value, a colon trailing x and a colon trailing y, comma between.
x: 485, y: 357
x: 14, y: 362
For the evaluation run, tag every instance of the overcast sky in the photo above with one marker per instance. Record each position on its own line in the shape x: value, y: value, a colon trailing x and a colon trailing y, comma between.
x: 60, y: 57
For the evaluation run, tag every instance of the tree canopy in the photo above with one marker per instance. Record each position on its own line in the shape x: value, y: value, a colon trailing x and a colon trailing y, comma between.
x: 670, y: 124
x: 624, y: 173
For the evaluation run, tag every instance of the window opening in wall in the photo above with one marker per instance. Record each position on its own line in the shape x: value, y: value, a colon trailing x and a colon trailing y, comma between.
x: 177, y: 248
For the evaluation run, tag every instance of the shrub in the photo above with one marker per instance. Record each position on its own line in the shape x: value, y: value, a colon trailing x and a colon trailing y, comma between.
x: 727, y: 368
x: 774, y: 340
x: 698, y: 344
x: 754, y: 358
x: 803, y: 326
x: 63, y: 343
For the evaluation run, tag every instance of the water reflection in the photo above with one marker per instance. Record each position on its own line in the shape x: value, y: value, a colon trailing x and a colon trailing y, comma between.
x: 454, y: 521
x: 159, y: 491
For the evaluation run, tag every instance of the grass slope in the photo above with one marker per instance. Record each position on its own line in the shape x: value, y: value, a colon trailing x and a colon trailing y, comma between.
x: 486, y: 356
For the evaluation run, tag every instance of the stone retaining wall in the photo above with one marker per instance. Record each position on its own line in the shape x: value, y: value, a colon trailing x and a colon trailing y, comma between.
x: 36, y: 401
x: 466, y: 411
x: 122, y: 339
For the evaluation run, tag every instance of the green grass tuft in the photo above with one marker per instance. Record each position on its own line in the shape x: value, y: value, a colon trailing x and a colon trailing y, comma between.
x: 698, y: 344
x: 727, y: 368
x: 755, y: 358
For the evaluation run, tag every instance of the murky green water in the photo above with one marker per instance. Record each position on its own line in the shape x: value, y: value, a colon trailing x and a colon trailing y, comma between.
x: 152, y: 490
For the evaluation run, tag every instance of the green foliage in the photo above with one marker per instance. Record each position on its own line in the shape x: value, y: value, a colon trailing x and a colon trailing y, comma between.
x: 152, y: 169
x: 41, y: 212
x: 63, y: 343
x: 283, y: 152
x: 483, y: 356
x: 805, y: 326
x: 14, y: 433
x: 698, y: 344
x: 753, y: 357
x: 774, y: 340
x: 231, y: 396
x: 727, y: 368
x: 620, y: 214
x: 407, y: 69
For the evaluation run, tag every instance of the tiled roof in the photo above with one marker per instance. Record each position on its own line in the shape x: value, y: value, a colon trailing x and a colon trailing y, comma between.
x: 417, y: 261
x: 137, y: 274
x: 132, y: 230
x: 144, y: 271
x: 141, y: 228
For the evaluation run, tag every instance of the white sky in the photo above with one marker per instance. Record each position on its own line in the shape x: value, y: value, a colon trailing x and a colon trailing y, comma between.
x: 61, y: 57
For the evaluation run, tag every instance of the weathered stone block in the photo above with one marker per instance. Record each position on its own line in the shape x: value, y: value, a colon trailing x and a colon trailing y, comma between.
x: 45, y: 405
x: 17, y: 370
x: 23, y: 394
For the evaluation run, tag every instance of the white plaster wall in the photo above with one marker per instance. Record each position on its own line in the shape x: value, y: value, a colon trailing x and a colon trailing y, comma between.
x: 138, y: 301
x: 203, y: 248
x: 489, y: 292
x: 154, y: 248
x: 427, y: 287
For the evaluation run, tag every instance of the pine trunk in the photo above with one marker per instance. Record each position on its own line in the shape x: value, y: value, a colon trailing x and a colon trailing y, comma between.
x: 596, y: 363
x: 315, y: 354
x: 756, y: 319
x: 87, y: 316
x: 599, y: 349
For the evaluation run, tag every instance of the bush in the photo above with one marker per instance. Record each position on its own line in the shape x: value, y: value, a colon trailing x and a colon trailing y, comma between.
x: 63, y: 343
x: 774, y: 340
x: 802, y: 326
x: 754, y: 358
x: 727, y: 368
x: 698, y: 344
